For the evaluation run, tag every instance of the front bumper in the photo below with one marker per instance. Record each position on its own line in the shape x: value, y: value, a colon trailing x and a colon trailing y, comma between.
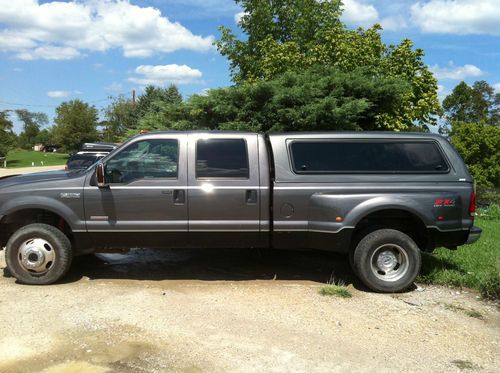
x: 474, y: 234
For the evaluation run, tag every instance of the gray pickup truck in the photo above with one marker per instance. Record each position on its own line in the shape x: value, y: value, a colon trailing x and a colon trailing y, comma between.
x: 381, y: 198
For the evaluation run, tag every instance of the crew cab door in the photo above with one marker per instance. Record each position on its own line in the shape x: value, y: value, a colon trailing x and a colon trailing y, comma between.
x: 224, y: 190
x: 145, y: 201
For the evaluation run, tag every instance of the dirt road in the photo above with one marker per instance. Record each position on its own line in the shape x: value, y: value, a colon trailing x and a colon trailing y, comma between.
x: 233, y: 310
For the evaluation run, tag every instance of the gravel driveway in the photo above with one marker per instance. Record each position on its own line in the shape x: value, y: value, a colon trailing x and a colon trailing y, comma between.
x: 28, y: 170
x: 235, y: 310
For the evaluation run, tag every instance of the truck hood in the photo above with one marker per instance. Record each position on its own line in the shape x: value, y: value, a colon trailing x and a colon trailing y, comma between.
x: 38, y: 177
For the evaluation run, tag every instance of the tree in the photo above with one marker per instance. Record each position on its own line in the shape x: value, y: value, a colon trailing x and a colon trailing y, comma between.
x: 473, y: 104
x: 121, y: 115
x: 75, y: 124
x: 152, y: 94
x: 6, y: 134
x: 284, y: 35
x: 319, y: 98
x: 479, y: 145
x: 32, y: 123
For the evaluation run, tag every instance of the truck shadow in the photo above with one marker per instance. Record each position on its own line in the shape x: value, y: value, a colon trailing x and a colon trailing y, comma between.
x: 215, y: 265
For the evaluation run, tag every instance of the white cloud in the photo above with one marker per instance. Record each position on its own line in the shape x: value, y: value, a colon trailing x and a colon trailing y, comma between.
x: 393, y: 23
x: 62, y: 94
x: 61, y: 30
x: 456, y: 72
x: 497, y: 87
x: 237, y: 17
x: 165, y: 74
x: 48, y: 52
x: 357, y: 13
x: 442, y: 92
x: 458, y: 16
x: 114, y: 87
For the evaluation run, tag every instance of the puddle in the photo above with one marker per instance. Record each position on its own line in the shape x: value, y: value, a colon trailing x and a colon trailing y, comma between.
x: 91, y: 352
x: 76, y: 367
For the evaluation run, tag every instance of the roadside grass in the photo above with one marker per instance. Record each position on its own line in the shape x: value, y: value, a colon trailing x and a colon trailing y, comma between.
x: 24, y: 158
x: 476, y: 266
x: 335, y: 290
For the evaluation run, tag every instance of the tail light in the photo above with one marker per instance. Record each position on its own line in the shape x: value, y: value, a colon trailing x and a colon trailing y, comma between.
x: 472, y: 204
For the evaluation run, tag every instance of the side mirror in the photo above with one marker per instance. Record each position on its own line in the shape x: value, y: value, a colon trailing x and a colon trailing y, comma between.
x: 100, y: 175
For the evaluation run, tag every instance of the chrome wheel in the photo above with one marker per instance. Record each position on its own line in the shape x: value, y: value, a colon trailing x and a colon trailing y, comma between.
x: 36, y: 255
x: 389, y: 262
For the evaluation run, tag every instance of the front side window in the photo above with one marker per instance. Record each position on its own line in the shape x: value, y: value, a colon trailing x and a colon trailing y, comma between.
x: 323, y: 157
x: 146, y: 159
x: 222, y: 158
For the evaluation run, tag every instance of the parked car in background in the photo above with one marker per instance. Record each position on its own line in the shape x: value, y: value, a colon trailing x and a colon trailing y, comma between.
x: 82, y: 161
x: 89, y: 154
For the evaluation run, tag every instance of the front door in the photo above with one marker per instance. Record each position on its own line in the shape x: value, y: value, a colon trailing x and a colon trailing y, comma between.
x: 145, y: 202
x: 224, y: 190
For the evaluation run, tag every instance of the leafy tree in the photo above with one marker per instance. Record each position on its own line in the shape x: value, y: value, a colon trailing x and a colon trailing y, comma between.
x: 319, y: 98
x: 479, y: 145
x: 164, y: 115
x: 75, y: 124
x: 6, y: 135
x: 473, y: 104
x: 284, y: 35
x: 152, y: 94
x: 32, y: 123
x: 121, y: 115
x: 45, y: 136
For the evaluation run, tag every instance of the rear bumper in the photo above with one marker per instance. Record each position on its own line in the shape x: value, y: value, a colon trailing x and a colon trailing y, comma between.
x: 474, y: 234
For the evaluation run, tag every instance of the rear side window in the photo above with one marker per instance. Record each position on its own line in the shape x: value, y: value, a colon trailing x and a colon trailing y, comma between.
x: 222, y: 158
x: 323, y: 157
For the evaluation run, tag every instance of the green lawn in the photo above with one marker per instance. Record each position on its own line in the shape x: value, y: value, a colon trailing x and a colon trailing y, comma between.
x: 476, y: 266
x: 24, y: 158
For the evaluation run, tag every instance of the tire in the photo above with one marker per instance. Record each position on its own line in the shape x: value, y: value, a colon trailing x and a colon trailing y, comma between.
x: 387, y: 261
x: 38, y: 254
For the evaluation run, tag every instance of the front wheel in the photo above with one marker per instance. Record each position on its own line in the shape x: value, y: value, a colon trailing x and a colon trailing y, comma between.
x: 387, y: 260
x: 38, y: 254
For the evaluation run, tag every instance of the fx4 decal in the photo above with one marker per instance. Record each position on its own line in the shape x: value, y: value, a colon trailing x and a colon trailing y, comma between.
x: 444, y: 203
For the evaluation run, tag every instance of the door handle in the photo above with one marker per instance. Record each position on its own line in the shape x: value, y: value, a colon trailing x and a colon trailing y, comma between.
x: 251, y: 197
x: 179, y: 197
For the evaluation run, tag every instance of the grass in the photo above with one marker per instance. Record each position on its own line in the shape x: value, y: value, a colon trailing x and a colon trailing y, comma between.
x: 24, y: 158
x: 475, y: 266
x: 469, y: 312
x: 336, y: 290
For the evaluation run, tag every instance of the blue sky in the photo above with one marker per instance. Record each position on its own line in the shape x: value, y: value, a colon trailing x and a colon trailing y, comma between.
x: 52, y: 51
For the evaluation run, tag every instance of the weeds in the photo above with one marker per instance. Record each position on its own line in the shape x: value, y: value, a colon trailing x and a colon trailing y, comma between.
x: 469, y: 312
x: 335, y: 288
x: 476, y: 266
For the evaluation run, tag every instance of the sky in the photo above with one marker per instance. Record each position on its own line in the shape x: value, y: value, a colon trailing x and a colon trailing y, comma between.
x: 54, y: 51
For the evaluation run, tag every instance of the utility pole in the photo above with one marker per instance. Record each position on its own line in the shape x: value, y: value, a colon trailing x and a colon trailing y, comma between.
x: 133, y: 96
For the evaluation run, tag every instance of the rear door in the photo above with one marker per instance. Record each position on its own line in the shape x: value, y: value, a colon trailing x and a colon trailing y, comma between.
x: 223, y: 190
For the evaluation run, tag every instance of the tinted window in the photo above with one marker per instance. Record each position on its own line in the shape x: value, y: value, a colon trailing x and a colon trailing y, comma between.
x: 374, y: 156
x: 147, y: 159
x: 221, y: 158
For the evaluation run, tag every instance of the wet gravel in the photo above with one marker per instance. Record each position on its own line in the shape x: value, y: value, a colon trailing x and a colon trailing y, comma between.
x: 236, y: 310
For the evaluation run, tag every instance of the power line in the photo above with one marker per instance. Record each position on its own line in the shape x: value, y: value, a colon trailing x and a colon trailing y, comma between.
x: 54, y: 106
